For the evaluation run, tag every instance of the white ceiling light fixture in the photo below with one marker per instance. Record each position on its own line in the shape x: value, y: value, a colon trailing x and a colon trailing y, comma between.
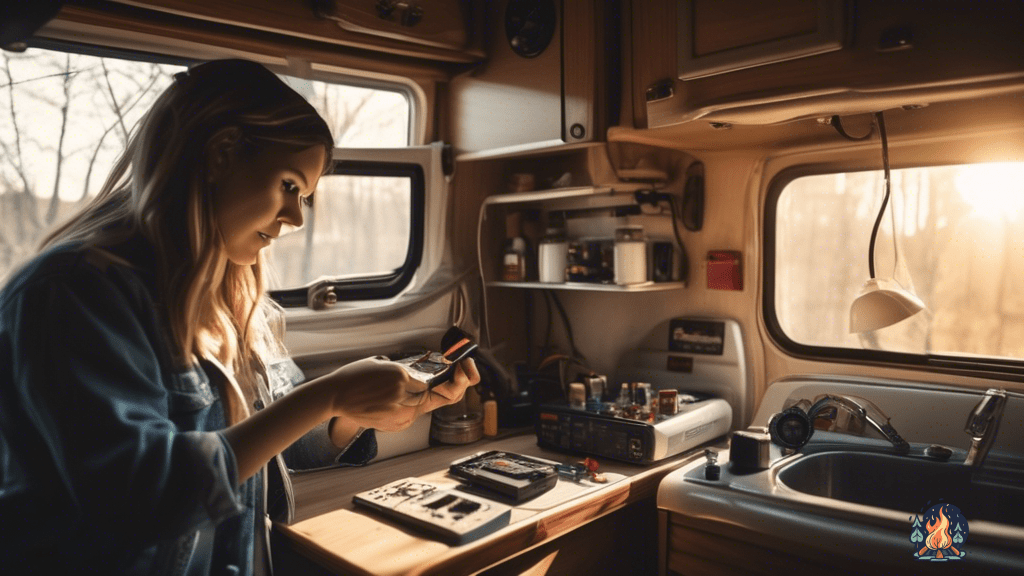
x: 882, y: 303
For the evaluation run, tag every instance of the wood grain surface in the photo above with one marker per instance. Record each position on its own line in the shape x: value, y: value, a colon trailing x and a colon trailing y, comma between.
x: 297, y: 19
x: 336, y: 534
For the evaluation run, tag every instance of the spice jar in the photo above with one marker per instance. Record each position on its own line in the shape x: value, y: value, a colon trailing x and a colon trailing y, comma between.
x: 630, y: 255
x: 514, y: 261
x: 552, y: 256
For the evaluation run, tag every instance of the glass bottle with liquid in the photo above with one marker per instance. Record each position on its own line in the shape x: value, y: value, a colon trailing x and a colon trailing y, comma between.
x: 514, y: 260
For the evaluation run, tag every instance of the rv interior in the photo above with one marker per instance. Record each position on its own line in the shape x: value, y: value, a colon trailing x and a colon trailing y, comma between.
x: 739, y: 272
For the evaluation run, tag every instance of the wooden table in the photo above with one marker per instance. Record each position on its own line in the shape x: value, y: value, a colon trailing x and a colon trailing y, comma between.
x: 337, y: 535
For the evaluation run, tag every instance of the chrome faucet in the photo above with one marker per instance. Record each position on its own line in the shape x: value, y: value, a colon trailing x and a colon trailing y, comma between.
x: 862, y: 411
x: 793, y: 427
x: 982, y: 425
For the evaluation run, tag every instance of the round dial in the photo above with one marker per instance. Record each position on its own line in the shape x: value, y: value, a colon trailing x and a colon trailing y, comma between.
x: 530, y: 25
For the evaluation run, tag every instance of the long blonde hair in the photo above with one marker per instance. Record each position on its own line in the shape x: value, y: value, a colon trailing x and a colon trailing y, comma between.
x: 159, y: 189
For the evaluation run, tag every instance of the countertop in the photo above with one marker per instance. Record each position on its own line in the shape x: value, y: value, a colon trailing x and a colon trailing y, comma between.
x: 342, y: 537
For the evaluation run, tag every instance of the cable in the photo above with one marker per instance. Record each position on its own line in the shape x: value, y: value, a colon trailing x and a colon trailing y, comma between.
x: 885, y: 199
x: 684, y: 261
x: 528, y: 309
x: 568, y: 327
x: 547, y: 335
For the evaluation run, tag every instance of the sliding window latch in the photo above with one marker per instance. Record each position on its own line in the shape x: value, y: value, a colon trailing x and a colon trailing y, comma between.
x: 321, y: 296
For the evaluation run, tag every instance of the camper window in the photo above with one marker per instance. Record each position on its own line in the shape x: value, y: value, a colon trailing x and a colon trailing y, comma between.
x: 958, y: 245
x: 66, y: 114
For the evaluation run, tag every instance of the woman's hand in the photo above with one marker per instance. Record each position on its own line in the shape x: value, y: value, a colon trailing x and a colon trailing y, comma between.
x: 371, y: 393
x: 380, y: 394
x: 465, y: 375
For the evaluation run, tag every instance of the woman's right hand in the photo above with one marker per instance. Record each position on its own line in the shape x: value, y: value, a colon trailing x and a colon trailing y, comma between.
x: 370, y: 392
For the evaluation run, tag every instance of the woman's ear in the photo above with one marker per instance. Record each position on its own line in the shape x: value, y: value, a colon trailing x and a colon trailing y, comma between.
x: 220, y: 153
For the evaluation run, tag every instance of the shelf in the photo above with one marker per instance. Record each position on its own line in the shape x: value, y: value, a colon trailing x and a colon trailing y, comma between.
x: 533, y: 149
x: 574, y: 199
x: 546, y: 195
x: 645, y: 287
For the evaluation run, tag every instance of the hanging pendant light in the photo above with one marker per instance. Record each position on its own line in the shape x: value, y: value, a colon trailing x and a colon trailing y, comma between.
x: 882, y: 303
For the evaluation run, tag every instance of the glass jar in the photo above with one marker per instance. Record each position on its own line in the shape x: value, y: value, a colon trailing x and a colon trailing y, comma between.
x: 514, y: 261
x: 552, y: 256
x: 630, y: 255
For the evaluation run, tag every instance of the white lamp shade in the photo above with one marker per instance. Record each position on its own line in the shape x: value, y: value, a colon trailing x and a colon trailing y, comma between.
x: 882, y: 303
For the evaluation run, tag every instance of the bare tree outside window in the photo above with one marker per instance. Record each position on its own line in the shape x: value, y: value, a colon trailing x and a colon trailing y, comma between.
x: 358, y: 225
x: 960, y: 234
x: 64, y: 119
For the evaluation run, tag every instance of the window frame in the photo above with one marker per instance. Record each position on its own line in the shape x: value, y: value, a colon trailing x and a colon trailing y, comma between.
x: 380, y: 286
x: 982, y: 367
x: 363, y: 288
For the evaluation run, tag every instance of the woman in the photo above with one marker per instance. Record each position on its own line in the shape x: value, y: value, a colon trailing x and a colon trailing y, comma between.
x: 139, y: 388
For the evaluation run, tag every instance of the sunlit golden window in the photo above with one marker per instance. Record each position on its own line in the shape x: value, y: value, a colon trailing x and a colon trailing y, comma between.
x: 959, y: 245
x: 65, y: 117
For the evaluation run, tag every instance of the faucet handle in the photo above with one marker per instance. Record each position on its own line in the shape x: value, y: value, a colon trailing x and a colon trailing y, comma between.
x: 982, y: 425
x: 861, y: 413
x: 985, y: 414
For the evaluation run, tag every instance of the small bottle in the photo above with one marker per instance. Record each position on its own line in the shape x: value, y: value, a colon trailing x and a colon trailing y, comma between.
x: 630, y: 255
x: 490, y: 418
x: 577, y: 396
x: 514, y: 261
x: 625, y: 398
x: 552, y: 256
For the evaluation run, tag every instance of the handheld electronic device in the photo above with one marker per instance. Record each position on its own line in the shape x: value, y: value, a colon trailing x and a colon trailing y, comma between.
x: 511, y: 475
x: 436, y: 367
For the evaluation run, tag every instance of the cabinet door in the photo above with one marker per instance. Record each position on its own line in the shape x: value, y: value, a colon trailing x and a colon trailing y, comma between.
x: 717, y: 36
x: 535, y: 98
x: 894, y: 52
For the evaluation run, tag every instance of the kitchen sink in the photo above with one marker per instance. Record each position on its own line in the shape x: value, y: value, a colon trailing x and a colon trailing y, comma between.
x: 905, y: 483
x: 841, y: 493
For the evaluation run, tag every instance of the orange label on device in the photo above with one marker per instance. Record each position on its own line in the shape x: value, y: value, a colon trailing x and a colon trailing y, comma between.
x: 456, y: 346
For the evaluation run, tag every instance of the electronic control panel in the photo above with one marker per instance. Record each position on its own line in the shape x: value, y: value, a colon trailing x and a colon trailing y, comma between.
x: 584, y: 432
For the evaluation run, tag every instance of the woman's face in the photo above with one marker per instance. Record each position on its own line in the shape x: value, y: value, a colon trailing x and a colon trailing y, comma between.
x: 255, y: 197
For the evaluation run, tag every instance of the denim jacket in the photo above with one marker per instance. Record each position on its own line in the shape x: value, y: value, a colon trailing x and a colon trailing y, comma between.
x: 112, y: 460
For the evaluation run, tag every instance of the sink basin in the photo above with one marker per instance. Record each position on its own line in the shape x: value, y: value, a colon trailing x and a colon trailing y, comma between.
x: 904, y: 483
x: 841, y: 494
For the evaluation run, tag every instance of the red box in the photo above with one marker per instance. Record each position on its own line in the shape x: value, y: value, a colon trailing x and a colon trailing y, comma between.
x: 725, y: 270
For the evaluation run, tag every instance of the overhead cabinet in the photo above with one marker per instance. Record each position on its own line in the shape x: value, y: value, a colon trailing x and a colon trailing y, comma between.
x: 711, y: 60
x: 544, y: 83
x: 441, y: 30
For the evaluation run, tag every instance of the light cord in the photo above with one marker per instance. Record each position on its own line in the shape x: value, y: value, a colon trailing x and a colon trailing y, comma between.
x: 885, y: 199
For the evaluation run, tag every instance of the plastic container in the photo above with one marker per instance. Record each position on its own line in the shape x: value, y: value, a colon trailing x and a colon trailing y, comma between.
x: 630, y: 255
x: 552, y: 257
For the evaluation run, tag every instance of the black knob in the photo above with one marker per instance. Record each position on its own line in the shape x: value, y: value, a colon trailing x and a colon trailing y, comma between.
x: 577, y: 131
x: 791, y: 428
x: 712, y: 471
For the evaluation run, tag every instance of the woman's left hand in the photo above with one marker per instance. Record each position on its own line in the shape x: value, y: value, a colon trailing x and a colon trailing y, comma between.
x: 464, y: 376
x: 399, y: 413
